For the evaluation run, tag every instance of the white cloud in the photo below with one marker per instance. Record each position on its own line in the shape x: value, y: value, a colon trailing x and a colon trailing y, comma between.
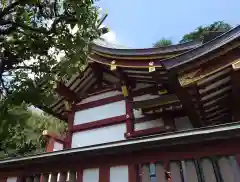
x: 110, y: 37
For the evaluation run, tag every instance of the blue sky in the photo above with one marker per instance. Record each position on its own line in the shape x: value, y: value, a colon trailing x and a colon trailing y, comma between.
x: 139, y: 23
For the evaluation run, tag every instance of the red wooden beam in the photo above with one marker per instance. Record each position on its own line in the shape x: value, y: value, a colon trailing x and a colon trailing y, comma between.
x: 53, y: 135
x: 149, y: 131
x: 133, y: 173
x: 146, y: 155
x: 104, y: 173
x: 99, y: 123
x: 124, y: 81
x: 97, y: 103
x: 68, y: 141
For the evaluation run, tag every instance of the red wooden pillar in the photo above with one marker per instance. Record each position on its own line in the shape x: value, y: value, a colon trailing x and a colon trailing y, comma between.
x: 70, y: 129
x: 51, y: 138
x: 133, y: 173
x: 129, y: 117
x: 104, y: 174
x: 3, y: 179
x: 80, y: 175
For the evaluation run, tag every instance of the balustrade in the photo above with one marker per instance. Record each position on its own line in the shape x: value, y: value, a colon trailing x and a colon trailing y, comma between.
x: 69, y: 176
x: 211, y: 169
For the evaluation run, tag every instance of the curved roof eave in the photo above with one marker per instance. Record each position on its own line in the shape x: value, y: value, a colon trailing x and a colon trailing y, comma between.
x: 202, y: 50
x: 121, y: 51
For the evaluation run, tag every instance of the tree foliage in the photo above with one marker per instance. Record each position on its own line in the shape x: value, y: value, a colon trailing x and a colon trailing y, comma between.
x: 21, y: 130
x: 33, y: 36
x: 41, y: 42
x: 201, y: 31
x: 162, y: 43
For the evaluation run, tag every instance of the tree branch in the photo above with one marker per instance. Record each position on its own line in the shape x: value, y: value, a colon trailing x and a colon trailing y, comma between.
x: 24, y: 26
x: 24, y: 67
x: 8, y: 8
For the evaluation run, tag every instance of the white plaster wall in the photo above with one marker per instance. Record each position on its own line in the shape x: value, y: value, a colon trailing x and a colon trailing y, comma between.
x: 100, y: 96
x: 137, y: 113
x: 99, y: 135
x: 101, y: 112
x: 183, y: 123
x: 149, y: 124
x: 11, y: 179
x: 91, y: 175
x: 119, y: 174
x: 57, y: 146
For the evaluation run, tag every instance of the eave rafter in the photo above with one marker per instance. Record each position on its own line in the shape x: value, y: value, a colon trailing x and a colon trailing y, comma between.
x: 198, y: 102
x: 105, y: 70
x: 124, y: 78
x: 185, y: 99
x: 99, y: 74
x: 235, y: 77
x: 64, y: 91
x: 160, y: 84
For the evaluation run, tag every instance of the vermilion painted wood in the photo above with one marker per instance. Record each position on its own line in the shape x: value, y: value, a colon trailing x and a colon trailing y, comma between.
x: 133, y: 173
x: 128, y: 63
x: 97, y: 103
x: 149, y: 131
x: 129, y: 116
x: 50, y: 145
x: 70, y: 128
x: 80, y: 175
x: 2, y: 179
x: 176, y: 152
x: 113, y: 98
x: 99, y: 123
x: 55, y: 137
x: 104, y: 173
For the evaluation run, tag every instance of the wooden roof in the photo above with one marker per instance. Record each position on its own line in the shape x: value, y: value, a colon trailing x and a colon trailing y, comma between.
x: 202, y: 76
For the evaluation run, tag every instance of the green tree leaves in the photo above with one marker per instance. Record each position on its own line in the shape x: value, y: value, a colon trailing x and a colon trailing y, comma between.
x: 198, y: 34
x: 33, y: 35
x: 162, y: 43
x: 21, y: 130
x: 201, y: 31
x: 31, y: 29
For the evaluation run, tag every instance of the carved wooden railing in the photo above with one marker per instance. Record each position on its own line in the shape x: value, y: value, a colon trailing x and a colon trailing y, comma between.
x: 144, y: 160
x: 209, y: 169
x: 70, y: 176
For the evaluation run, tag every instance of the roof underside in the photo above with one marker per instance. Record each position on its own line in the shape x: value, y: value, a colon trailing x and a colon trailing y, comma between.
x: 199, y: 76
